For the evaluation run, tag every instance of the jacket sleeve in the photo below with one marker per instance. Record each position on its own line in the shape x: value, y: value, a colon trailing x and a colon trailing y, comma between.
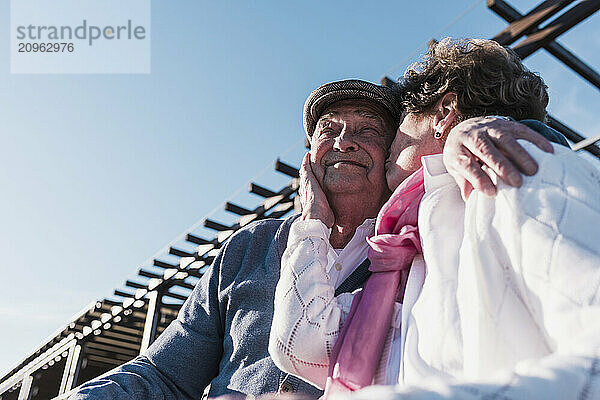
x: 307, y: 316
x: 540, y: 247
x: 183, y: 359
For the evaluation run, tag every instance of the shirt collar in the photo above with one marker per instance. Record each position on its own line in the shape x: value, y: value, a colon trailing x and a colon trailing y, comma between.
x: 363, y: 231
x: 356, y: 246
x: 368, y: 227
x: 435, y: 174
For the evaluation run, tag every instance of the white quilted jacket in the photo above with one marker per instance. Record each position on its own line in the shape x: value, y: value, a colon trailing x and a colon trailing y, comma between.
x: 510, y: 305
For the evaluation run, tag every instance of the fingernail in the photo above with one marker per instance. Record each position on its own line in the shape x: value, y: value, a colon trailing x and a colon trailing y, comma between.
x: 530, y: 168
x: 489, y: 190
x: 514, y: 178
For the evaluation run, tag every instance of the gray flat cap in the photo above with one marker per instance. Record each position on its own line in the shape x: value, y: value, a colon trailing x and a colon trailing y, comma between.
x: 332, y: 92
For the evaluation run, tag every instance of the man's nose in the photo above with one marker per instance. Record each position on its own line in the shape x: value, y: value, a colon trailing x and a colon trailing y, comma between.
x: 345, y: 141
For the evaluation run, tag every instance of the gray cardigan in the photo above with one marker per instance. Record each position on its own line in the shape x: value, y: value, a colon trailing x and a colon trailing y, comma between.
x: 221, y: 334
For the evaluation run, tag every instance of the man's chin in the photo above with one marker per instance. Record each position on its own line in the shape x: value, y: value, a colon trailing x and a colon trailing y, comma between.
x: 345, y: 183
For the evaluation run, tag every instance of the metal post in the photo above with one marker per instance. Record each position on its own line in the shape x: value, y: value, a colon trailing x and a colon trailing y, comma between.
x: 71, y: 368
x: 152, y: 316
x: 26, y: 387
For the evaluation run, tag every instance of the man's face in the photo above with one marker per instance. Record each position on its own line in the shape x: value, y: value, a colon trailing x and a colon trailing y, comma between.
x: 349, y: 148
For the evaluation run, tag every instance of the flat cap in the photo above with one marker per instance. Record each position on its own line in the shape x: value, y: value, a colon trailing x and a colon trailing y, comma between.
x: 332, y: 92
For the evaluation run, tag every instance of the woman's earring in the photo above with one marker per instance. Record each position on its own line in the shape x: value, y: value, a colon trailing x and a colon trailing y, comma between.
x: 438, y: 134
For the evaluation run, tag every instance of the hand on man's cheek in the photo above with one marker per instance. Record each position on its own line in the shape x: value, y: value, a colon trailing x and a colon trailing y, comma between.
x: 315, y: 162
x: 312, y: 197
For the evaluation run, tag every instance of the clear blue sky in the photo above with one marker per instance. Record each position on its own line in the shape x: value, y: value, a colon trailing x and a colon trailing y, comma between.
x: 98, y: 172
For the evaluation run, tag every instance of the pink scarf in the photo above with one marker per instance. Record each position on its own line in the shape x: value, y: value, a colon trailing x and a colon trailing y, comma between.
x: 358, y: 349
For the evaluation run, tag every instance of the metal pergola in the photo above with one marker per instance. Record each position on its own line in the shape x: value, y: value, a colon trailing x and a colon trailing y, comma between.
x: 111, y: 332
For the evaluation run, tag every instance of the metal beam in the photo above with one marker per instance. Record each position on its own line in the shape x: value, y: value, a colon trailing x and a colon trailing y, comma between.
x: 179, y: 253
x: 123, y: 336
x: 127, y: 330
x: 571, y: 61
x: 183, y: 284
x: 47, y: 344
x: 502, y: 9
x: 162, y: 264
x: 509, y: 14
x: 90, y: 346
x: 149, y: 274
x: 571, y: 135
x: 585, y: 143
x: 261, y: 191
x: 36, y: 362
x: 121, y: 293
x: 176, y: 296
x: 104, y: 360
x: 209, y: 223
x: 554, y: 29
x: 234, y: 208
x: 117, y: 343
x: 111, y: 303
x: 529, y: 22
x: 286, y: 169
x: 551, y: 31
x: 135, y: 285
x: 117, y: 356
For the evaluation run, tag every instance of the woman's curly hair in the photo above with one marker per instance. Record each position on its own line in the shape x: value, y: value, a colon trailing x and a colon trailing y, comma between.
x: 487, y: 78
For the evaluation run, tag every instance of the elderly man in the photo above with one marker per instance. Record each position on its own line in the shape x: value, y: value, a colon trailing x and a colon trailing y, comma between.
x: 221, y: 335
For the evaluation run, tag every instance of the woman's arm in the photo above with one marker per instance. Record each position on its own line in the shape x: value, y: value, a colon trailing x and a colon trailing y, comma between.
x: 307, y: 316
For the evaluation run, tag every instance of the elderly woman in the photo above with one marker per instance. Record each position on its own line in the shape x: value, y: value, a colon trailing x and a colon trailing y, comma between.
x: 495, y: 296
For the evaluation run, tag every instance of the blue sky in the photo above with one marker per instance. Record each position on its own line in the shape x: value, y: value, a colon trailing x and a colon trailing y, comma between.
x: 98, y: 172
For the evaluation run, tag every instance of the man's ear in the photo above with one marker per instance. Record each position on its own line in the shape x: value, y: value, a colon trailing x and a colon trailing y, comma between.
x: 445, y: 114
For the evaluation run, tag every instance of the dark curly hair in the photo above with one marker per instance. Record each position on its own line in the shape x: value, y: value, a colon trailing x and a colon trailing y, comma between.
x: 487, y: 78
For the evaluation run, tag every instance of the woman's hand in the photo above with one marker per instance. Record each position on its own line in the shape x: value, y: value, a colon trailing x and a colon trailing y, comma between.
x: 492, y: 142
x: 313, y: 199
